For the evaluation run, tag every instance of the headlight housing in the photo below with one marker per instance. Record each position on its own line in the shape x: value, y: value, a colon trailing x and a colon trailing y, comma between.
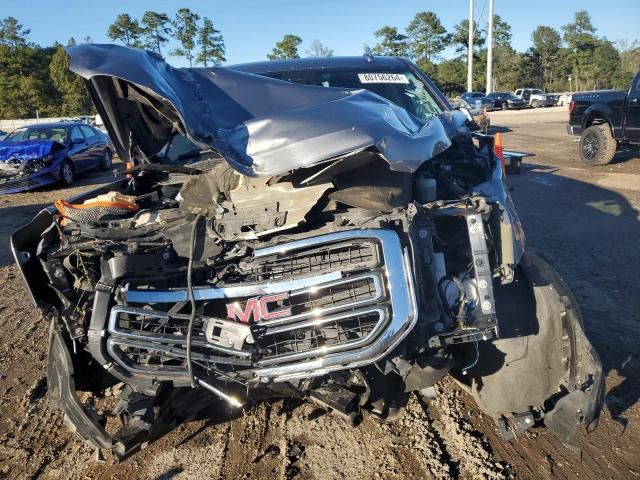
x: 39, y: 163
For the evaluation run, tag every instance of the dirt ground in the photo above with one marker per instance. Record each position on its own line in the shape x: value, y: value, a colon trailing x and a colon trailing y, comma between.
x: 584, y: 220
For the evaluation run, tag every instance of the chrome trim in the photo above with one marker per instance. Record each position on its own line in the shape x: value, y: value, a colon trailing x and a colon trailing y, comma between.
x: 404, y: 316
x: 322, y: 320
x: 385, y: 336
x: 382, y: 321
x: 181, y: 295
x: 364, y: 234
x: 379, y: 295
x: 164, y: 371
x: 159, y: 337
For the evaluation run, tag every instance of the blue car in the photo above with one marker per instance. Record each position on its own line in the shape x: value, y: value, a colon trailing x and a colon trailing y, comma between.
x: 478, y: 100
x: 38, y: 155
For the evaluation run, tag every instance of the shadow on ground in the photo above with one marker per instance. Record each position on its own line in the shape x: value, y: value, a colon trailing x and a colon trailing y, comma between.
x: 589, y: 234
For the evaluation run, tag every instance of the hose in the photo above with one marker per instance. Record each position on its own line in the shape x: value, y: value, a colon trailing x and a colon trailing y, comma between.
x: 192, y: 300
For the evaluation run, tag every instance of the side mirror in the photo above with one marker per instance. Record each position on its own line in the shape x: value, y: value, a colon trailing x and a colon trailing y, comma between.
x: 77, y: 141
x: 466, y: 111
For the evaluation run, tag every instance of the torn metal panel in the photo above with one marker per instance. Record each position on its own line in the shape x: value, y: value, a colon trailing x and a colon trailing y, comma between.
x: 261, y: 126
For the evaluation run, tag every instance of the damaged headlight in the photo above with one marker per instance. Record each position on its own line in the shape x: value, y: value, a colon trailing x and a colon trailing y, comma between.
x: 40, y: 163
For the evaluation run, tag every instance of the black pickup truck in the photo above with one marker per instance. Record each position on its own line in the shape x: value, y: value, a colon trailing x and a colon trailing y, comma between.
x: 605, y: 120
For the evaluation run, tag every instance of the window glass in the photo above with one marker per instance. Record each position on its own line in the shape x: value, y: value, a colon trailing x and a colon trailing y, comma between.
x: 399, y: 86
x: 76, y: 134
x: 88, y: 132
x: 56, y: 134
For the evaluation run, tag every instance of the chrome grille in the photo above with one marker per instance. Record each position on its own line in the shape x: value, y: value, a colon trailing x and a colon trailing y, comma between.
x: 341, y: 256
x: 349, y: 299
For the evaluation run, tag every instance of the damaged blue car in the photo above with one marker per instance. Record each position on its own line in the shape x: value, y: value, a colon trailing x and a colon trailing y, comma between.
x: 39, y: 155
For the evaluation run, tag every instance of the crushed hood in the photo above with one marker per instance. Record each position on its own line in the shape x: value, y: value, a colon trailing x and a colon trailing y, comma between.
x: 261, y: 126
x: 25, y: 150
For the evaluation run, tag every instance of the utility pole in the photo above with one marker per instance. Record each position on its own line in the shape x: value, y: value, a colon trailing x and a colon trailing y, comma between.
x: 470, y: 50
x: 490, y: 51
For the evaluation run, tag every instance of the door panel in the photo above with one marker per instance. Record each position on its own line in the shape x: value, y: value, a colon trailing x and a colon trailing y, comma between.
x: 95, y: 150
x: 632, y: 122
x: 79, y: 152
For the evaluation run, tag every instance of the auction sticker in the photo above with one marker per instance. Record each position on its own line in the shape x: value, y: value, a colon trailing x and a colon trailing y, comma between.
x: 383, y: 78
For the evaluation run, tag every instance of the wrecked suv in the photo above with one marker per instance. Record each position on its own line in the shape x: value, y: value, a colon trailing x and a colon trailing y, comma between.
x: 325, y: 230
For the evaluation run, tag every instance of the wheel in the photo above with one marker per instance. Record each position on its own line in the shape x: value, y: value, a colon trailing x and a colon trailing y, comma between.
x: 107, y: 160
x: 597, y: 145
x: 67, y: 173
x: 535, y: 103
x: 504, y: 106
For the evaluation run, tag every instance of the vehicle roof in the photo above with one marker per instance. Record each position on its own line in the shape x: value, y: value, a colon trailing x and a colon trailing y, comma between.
x: 52, y: 125
x: 315, y: 63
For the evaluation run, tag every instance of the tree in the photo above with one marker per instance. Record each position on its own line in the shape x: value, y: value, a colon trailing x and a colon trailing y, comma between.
x: 546, y: 45
x: 286, y: 48
x: 185, y: 27
x: 580, y: 38
x: 501, y: 32
x: 629, y: 51
x: 317, y: 49
x: 12, y: 33
x: 606, y: 71
x: 71, y: 42
x: 581, y: 30
x: 155, y: 28
x: 211, y: 44
x: 392, y: 43
x: 460, y: 36
x: 75, y: 99
x: 451, y: 76
x: 427, y: 36
x: 87, y: 39
x: 126, y: 30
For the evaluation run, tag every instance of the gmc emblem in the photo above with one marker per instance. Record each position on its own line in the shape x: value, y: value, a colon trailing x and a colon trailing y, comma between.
x: 258, y: 309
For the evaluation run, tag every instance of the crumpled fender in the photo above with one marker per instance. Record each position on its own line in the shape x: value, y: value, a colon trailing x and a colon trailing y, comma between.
x: 543, y: 363
x: 61, y: 392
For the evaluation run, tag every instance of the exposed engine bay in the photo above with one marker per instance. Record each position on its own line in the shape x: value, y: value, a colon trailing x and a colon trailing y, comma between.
x: 346, y: 283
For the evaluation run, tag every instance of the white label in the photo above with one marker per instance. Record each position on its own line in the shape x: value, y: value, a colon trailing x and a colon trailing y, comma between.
x: 382, y: 78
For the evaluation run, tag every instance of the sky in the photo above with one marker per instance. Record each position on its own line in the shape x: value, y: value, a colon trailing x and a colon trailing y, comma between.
x: 252, y: 27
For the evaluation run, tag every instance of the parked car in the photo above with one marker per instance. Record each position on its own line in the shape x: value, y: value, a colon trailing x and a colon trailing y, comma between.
x: 564, y: 99
x: 38, y: 155
x: 604, y: 120
x: 506, y: 101
x: 324, y: 229
x: 534, y: 97
x: 553, y: 98
x: 477, y: 100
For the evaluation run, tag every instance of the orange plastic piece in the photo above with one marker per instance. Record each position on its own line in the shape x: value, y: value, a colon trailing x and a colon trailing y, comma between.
x: 498, y: 150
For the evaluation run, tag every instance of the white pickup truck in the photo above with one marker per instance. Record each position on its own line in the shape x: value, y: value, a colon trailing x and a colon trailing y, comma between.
x: 535, y: 97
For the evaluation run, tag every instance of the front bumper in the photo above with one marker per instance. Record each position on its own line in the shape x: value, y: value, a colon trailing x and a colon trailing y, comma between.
x: 37, y: 179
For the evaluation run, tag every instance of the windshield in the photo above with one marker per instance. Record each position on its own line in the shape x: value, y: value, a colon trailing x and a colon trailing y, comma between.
x: 55, y: 134
x: 401, y: 87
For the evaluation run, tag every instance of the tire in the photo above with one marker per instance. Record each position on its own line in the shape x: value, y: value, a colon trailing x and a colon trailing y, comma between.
x: 535, y: 103
x: 107, y: 160
x: 67, y: 173
x: 597, y: 145
x: 504, y: 106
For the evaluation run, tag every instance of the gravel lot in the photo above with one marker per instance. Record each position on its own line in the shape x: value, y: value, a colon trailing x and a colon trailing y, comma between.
x: 584, y: 220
